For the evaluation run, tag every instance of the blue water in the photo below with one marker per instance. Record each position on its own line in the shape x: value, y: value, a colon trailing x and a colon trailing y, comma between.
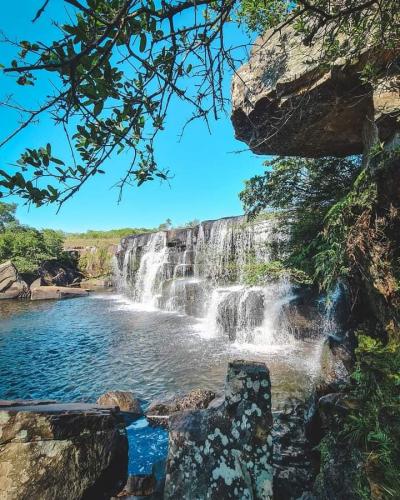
x: 78, y: 349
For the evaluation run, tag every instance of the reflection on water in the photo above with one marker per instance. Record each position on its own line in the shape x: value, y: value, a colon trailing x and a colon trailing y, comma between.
x: 78, y: 349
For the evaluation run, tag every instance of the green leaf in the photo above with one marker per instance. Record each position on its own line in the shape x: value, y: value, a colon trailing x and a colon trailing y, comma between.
x: 56, y: 160
x: 143, y: 42
x: 98, y: 108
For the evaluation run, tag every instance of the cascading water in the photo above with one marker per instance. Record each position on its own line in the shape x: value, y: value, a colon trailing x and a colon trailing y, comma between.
x: 201, y: 271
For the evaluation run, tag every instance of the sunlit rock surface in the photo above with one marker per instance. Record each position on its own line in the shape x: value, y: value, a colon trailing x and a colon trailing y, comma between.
x: 56, y: 292
x: 159, y: 411
x: 226, y: 450
x: 284, y: 102
x: 61, y: 451
x: 11, y: 285
x: 125, y: 401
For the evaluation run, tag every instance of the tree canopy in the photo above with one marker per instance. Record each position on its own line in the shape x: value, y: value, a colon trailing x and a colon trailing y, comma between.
x: 26, y: 246
x: 118, y: 64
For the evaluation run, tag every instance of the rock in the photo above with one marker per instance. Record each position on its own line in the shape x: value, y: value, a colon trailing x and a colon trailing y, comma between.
x: 123, y: 399
x: 240, y: 312
x: 7, y: 403
x: 60, y: 272
x: 139, y: 485
x: 339, y: 477
x: 295, y: 463
x: 285, y: 102
x: 97, y: 283
x: 56, y: 292
x: 333, y: 406
x: 37, y: 283
x: 159, y: 411
x: 302, y: 315
x: 225, y: 451
x: 64, y: 451
x: 11, y: 285
x: 336, y: 362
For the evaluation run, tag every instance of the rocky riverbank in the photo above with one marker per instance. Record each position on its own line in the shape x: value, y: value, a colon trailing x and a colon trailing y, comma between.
x: 232, y: 446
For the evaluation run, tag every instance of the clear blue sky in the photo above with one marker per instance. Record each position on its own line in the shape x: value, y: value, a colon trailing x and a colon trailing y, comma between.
x: 208, y: 171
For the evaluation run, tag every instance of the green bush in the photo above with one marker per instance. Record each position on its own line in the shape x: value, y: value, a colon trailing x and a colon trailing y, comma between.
x: 374, y: 426
x: 28, y: 247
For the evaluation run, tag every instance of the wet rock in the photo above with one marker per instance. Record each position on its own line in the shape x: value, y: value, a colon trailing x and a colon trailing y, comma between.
x: 71, y: 451
x: 56, y: 293
x: 123, y: 399
x: 225, y: 451
x: 239, y: 312
x: 184, y: 295
x: 302, y: 316
x: 139, y: 485
x: 295, y: 463
x: 340, y: 475
x: 159, y: 411
x: 11, y: 285
x: 285, y: 102
x: 334, y: 406
x: 336, y: 362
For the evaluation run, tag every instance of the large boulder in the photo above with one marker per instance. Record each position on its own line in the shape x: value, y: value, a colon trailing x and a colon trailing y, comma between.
x: 225, y: 451
x: 125, y: 401
x: 11, y: 285
x: 159, y: 411
x: 285, y: 102
x: 56, y: 292
x: 63, y: 451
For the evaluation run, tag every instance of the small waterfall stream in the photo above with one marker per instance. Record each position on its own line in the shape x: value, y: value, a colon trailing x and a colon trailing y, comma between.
x: 201, y: 272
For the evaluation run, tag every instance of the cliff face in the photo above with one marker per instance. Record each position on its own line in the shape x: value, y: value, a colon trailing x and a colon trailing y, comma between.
x: 285, y: 102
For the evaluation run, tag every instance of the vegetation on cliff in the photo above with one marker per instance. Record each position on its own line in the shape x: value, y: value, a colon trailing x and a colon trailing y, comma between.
x: 302, y: 192
x: 343, y: 223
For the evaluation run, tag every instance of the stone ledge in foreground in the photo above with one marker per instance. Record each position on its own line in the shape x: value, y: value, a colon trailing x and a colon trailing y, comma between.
x: 61, y: 450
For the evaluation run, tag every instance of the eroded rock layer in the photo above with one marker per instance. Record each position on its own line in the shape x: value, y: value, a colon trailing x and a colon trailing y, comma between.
x: 285, y: 102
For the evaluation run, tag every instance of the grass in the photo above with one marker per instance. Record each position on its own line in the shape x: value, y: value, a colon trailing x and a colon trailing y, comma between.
x: 77, y: 242
x: 100, y: 239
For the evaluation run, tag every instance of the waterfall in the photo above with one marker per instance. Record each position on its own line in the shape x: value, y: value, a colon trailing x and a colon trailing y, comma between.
x: 201, y: 271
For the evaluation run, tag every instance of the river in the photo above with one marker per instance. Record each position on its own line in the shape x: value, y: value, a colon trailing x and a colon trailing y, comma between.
x: 76, y: 350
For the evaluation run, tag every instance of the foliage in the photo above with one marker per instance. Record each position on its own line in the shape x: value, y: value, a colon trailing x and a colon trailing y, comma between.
x: 97, y: 262
x: 97, y: 237
x: 7, y: 214
x: 25, y: 246
x: 117, y: 66
x: 165, y: 226
x: 333, y: 259
x: 260, y: 273
x: 374, y: 425
x: 28, y: 247
x: 302, y: 191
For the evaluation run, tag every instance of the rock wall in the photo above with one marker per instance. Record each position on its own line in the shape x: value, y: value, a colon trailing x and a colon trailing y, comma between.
x: 285, y: 102
x: 54, y: 451
x: 225, y: 451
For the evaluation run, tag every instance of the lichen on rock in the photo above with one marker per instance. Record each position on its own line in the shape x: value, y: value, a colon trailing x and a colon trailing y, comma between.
x: 225, y: 451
